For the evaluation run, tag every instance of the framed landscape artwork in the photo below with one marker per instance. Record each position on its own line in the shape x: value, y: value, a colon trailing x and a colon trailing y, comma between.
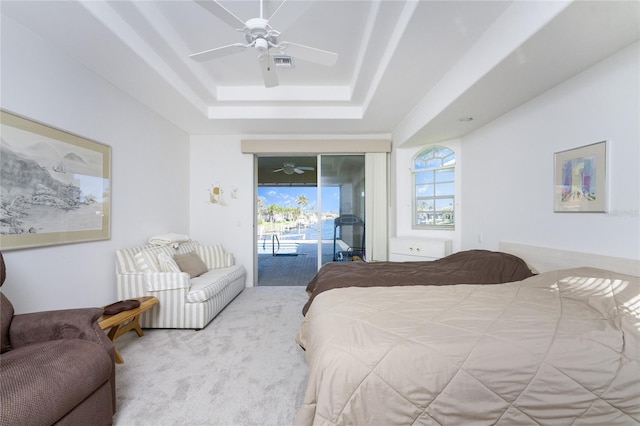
x: 54, y: 186
x: 581, y: 179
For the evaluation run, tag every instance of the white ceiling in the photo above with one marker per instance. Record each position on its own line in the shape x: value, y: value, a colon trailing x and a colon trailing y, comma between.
x: 407, y: 69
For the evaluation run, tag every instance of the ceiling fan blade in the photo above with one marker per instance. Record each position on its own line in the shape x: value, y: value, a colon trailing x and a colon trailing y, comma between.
x: 311, y: 54
x: 295, y: 10
x: 278, y: 170
x: 277, y: 10
x: 222, y: 13
x: 219, y: 52
x: 268, y: 70
x: 305, y: 168
x: 298, y: 171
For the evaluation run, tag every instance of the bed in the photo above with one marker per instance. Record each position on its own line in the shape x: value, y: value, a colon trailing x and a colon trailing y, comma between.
x: 470, y: 266
x: 559, y: 347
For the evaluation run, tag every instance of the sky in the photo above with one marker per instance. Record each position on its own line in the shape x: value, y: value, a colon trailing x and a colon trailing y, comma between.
x: 286, y: 196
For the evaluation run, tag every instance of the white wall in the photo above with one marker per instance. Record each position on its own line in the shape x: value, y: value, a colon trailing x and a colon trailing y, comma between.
x: 150, y: 162
x: 218, y: 160
x: 508, y: 170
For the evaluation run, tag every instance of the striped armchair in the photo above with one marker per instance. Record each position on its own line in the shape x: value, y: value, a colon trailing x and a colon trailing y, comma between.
x: 183, y: 301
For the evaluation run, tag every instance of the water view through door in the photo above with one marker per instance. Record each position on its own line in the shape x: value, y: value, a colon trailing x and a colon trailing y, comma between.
x: 296, y: 215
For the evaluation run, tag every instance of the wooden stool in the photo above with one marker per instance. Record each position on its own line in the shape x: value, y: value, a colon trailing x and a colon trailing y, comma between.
x: 125, y: 321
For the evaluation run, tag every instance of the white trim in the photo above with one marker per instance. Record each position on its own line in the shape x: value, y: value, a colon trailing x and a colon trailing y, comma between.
x: 544, y: 259
x: 376, y: 206
x: 314, y: 146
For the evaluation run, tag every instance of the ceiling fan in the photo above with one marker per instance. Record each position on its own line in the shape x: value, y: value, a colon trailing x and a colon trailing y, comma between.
x: 290, y: 168
x: 262, y: 37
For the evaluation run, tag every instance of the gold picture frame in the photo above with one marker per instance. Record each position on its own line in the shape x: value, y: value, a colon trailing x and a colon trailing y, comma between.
x: 55, y: 186
x: 581, y: 179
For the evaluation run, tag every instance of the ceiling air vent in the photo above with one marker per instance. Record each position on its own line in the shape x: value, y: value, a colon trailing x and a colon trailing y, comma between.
x: 283, y: 61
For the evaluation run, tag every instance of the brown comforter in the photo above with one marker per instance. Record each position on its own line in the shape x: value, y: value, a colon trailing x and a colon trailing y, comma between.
x: 465, y: 267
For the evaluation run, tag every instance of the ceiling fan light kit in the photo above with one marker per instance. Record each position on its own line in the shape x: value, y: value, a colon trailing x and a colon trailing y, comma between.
x: 261, y: 45
x: 260, y: 36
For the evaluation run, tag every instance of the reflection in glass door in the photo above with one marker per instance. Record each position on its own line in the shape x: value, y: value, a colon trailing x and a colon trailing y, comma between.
x: 342, y: 208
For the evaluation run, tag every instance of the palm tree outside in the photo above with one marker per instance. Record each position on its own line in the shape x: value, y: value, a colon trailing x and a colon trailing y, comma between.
x: 302, y: 201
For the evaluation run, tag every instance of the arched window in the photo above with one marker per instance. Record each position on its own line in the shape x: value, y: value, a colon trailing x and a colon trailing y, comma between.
x: 434, y: 171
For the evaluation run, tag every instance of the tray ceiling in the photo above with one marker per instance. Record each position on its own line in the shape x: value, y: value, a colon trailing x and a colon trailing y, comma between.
x: 406, y: 69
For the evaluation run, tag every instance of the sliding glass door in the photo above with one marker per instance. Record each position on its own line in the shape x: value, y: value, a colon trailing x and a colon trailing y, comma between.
x: 310, y: 211
x: 286, y: 219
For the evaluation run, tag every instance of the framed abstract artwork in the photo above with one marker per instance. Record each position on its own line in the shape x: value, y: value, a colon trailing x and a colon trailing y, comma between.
x: 581, y: 179
x: 55, y: 187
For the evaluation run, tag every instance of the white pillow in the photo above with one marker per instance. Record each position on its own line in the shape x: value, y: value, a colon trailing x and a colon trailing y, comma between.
x: 214, y: 256
x: 167, y: 263
x: 147, y: 260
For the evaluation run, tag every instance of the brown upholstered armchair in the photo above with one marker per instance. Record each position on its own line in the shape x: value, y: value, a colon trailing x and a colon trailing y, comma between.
x: 56, y: 367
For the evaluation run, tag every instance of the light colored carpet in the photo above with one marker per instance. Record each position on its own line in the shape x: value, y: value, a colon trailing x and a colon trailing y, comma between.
x: 244, y: 368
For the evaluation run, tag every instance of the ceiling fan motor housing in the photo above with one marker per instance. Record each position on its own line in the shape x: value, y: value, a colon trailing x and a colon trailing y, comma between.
x: 289, y: 168
x: 258, y: 32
